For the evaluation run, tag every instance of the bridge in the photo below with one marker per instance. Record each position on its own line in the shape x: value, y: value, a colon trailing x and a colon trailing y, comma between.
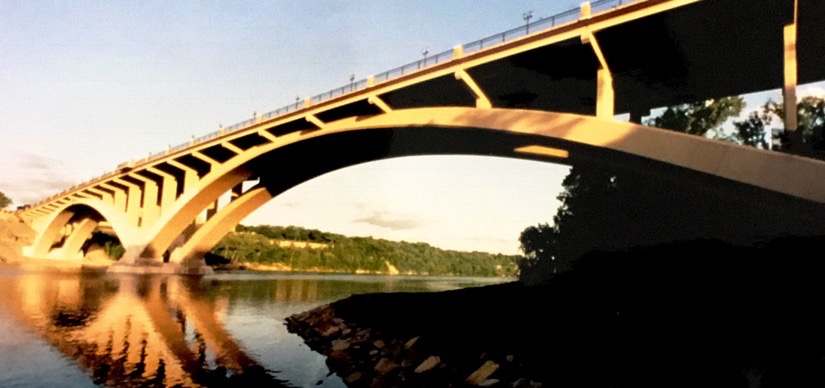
x: 550, y: 90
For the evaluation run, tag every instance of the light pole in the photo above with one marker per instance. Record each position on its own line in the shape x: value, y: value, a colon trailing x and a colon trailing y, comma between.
x: 425, y: 53
x: 527, y: 16
x: 351, y: 82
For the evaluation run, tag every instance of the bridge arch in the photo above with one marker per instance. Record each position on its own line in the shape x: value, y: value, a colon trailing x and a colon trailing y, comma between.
x: 85, y: 215
x: 547, y: 136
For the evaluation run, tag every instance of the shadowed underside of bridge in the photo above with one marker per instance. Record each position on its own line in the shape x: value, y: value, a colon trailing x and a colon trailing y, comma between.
x: 497, y: 102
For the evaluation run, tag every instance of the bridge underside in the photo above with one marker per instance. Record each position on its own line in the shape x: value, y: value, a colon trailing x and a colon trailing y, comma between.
x: 703, y: 50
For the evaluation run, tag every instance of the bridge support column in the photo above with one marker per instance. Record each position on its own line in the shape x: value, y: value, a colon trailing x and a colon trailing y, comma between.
x: 216, y: 227
x: 169, y: 189
x: 190, y: 175
x: 105, y: 196
x: 481, y: 99
x: 80, y: 233
x: 118, y: 196
x: 604, y: 79
x: 789, y: 90
x: 150, y: 209
x: 133, y: 196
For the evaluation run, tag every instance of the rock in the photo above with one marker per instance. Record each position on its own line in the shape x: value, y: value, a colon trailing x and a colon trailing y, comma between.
x: 340, y: 345
x: 411, y: 342
x: 430, y: 363
x: 373, y: 352
x: 346, y: 332
x: 353, y: 378
x: 332, y: 330
x: 524, y: 383
x: 510, y: 358
x: 339, y: 355
x: 378, y: 344
x: 379, y: 382
x: 488, y: 383
x: 384, y: 366
x: 482, y: 373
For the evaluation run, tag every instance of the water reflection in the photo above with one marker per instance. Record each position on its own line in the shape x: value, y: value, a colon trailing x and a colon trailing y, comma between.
x: 123, y: 330
x: 138, y: 331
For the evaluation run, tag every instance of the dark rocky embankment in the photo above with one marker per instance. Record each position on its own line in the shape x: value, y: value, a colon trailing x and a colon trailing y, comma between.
x: 701, y: 313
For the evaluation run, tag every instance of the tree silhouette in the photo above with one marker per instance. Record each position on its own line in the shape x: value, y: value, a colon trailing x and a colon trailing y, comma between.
x: 699, y: 118
x: 4, y: 201
x: 606, y: 208
x: 808, y: 139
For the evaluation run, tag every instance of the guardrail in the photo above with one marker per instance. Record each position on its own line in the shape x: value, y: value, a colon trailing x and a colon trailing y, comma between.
x: 531, y: 27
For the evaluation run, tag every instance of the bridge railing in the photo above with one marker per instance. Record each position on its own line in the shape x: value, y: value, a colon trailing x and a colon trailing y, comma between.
x: 531, y: 27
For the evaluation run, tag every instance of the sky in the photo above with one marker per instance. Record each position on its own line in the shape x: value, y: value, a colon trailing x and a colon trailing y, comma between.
x: 87, y: 85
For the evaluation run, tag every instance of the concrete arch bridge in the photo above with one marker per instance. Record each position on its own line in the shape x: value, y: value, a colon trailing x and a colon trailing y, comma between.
x: 551, y: 94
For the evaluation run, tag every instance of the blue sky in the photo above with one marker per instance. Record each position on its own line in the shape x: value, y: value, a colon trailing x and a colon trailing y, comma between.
x: 86, y: 85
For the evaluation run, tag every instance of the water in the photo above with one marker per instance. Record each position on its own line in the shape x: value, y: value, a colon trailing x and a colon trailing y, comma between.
x: 124, y: 330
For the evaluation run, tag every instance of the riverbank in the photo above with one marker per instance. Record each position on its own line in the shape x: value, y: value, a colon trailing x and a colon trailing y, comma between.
x: 685, y: 314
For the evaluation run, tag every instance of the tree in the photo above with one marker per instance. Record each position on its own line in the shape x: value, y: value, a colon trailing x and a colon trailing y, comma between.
x: 808, y: 139
x: 603, y: 207
x: 753, y: 131
x: 4, y: 201
x: 698, y: 118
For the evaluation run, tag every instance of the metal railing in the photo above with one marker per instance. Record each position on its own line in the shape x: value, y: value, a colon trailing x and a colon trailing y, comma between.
x: 541, y: 24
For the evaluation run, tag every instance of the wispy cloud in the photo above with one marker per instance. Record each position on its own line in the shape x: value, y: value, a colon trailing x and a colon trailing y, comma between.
x: 388, y: 220
x: 44, y: 177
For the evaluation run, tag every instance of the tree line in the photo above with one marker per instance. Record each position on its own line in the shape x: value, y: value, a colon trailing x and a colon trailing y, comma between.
x: 259, y: 244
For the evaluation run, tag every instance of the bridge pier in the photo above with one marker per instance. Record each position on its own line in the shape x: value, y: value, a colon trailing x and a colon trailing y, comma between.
x: 157, y: 266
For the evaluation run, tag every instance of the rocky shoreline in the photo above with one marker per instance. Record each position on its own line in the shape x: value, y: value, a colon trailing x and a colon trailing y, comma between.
x: 699, y: 313
x: 372, y: 353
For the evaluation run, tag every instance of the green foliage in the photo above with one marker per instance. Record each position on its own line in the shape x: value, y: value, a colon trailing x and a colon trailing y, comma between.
x: 808, y: 139
x: 258, y: 244
x: 292, y: 233
x: 114, y: 249
x: 753, y: 130
x: 698, y: 118
x: 4, y: 201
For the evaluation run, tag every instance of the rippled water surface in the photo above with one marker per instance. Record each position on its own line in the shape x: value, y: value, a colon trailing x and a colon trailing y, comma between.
x: 127, y: 330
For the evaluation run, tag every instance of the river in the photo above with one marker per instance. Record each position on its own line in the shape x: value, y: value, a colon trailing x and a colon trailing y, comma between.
x: 82, y: 330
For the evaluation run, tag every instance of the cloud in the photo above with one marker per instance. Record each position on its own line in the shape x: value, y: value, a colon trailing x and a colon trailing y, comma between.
x: 388, y: 220
x: 37, y: 162
x: 43, y: 177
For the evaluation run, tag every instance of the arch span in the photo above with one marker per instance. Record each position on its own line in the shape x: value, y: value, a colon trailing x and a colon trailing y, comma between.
x: 87, y: 214
x: 686, y: 160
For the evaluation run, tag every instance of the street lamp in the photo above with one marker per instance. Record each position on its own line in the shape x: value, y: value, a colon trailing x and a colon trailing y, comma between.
x: 425, y: 53
x: 527, y: 16
x: 351, y: 82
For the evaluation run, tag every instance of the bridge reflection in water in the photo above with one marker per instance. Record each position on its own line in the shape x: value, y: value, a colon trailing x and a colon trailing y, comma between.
x: 139, y: 331
x: 131, y: 330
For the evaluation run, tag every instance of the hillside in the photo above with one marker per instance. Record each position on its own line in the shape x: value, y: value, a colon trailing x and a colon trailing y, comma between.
x: 14, y: 234
x: 299, y: 249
